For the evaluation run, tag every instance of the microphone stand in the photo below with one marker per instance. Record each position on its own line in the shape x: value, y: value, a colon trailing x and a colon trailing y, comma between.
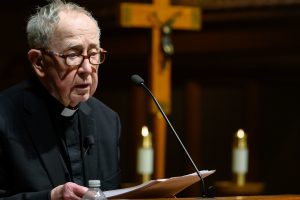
x: 139, y: 81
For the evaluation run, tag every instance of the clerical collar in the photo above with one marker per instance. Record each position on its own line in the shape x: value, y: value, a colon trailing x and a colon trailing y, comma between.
x: 69, y: 111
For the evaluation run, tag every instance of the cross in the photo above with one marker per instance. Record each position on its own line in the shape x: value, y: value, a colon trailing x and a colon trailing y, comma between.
x: 155, y: 16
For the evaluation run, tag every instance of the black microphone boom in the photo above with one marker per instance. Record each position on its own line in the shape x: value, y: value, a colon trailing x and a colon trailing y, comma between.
x: 136, y: 79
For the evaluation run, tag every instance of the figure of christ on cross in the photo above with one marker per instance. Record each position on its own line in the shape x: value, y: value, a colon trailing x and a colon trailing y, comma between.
x: 154, y: 16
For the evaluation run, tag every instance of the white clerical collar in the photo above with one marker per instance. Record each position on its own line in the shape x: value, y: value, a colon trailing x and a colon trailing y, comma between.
x: 69, y: 111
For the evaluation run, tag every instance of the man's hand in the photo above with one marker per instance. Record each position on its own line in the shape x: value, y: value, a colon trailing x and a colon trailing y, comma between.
x: 68, y: 191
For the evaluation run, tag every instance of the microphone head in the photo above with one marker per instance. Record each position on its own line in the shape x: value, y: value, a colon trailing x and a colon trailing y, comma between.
x: 136, y: 79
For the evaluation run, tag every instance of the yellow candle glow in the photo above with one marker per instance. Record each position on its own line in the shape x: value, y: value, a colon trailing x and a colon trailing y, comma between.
x: 146, y: 137
x: 145, y: 155
x: 240, y: 157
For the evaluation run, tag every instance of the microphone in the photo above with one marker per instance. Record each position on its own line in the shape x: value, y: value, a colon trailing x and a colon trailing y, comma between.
x: 137, y: 80
x: 89, y: 142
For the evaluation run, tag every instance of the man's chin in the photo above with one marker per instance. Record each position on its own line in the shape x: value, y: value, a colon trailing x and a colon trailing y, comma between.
x: 76, y: 99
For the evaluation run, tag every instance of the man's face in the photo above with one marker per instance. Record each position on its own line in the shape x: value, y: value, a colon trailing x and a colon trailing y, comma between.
x: 75, y: 33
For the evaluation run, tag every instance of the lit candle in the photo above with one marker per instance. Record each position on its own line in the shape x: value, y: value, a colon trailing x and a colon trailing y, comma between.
x: 145, y: 156
x: 240, y: 157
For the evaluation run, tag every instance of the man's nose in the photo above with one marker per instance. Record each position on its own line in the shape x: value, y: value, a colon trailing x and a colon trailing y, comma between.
x: 86, y: 66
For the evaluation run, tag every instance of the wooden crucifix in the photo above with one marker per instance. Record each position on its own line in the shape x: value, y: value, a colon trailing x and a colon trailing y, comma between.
x: 158, y: 15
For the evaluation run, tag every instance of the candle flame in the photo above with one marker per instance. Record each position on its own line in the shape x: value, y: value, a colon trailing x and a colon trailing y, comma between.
x: 240, y: 133
x: 145, y: 131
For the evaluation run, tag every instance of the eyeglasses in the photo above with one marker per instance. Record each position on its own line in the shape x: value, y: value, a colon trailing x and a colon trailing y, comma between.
x: 73, y: 59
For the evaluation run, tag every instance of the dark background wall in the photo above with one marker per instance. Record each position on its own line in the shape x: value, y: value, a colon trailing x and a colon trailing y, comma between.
x: 245, y: 63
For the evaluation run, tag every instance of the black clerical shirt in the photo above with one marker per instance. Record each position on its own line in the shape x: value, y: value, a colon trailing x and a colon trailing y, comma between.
x: 72, y: 141
x: 69, y: 138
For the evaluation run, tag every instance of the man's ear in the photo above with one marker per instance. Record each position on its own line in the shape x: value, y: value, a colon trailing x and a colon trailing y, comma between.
x: 35, y: 58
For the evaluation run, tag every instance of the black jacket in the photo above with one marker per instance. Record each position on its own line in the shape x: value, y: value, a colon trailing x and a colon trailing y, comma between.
x: 31, y: 163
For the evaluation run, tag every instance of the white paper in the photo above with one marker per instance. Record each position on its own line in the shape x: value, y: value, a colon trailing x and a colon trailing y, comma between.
x: 160, y: 188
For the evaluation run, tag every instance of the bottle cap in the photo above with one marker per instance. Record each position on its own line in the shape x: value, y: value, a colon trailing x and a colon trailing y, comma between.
x: 94, y: 183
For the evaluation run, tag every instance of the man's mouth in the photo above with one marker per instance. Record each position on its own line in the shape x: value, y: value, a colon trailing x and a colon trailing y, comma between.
x: 82, y: 86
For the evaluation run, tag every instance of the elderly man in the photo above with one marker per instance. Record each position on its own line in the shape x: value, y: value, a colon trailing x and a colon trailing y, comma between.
x: 54, y: 136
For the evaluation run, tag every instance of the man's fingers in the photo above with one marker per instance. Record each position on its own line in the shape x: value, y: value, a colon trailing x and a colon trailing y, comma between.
x: 79, y: 190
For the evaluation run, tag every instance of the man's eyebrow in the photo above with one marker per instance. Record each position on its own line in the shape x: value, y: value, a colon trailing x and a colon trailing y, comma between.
x: 80, y: 47
x: 97, y: 46
x: 73, y: 47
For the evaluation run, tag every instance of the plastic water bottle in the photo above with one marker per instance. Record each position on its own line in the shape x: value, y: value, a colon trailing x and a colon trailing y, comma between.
x: 94, y: 192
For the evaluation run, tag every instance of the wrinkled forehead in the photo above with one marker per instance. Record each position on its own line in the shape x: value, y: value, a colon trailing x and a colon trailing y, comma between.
x: 75, y: 27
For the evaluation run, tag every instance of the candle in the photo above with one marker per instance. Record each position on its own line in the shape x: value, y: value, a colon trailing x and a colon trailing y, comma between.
x: 240, y: 157
x: 145, y: 155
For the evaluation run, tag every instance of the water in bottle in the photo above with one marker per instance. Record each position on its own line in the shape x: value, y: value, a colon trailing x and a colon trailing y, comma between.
x: 94, y: 192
